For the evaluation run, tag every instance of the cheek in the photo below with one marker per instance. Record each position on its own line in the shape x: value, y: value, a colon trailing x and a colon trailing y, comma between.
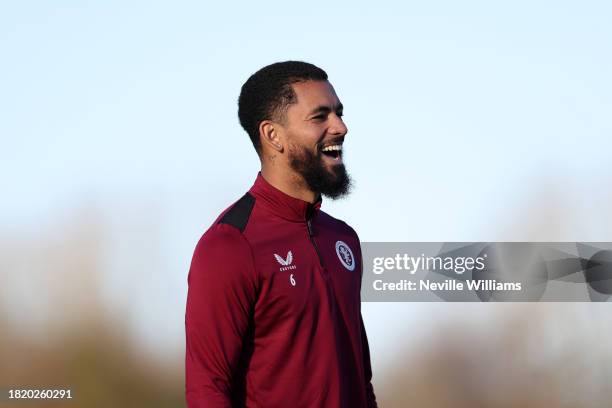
x: 307, y: 137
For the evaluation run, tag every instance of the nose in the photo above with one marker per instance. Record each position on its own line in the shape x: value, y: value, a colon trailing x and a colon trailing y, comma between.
x: 337, y: 126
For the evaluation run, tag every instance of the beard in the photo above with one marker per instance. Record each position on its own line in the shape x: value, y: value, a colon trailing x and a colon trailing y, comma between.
x: 333, y: 182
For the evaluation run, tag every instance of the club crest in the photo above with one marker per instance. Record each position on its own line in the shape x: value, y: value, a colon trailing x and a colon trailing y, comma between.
x: 345, y: 255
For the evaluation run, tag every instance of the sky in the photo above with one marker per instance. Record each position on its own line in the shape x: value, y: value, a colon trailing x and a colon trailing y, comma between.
x: 470, y: 121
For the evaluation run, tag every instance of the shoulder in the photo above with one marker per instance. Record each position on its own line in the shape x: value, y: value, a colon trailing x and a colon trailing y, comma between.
x: 225, y: 237
x: 222, y: 255
x: 337, y: 224
x: 238, y: 214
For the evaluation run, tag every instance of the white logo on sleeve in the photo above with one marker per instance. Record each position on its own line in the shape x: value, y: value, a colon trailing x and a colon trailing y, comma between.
x: 285, y: 262
x: 345, y: 255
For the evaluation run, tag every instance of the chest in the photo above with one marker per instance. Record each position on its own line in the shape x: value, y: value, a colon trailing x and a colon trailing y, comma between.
x: 307, y: 271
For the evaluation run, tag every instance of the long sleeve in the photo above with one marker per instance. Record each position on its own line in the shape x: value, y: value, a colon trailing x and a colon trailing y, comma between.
x: 367, y: 368
x: 220, y: 300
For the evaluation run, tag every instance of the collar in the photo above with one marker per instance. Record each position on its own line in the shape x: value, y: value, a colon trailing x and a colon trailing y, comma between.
x: 290, y: 208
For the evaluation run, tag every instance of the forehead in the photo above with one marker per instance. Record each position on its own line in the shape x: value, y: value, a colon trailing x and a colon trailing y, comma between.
x: 312, y: 94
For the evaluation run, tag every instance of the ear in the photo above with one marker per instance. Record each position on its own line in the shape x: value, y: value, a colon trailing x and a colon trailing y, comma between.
x: 270, y: 135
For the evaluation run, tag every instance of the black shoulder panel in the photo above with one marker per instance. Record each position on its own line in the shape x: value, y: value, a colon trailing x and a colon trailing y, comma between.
x: 238, y: 215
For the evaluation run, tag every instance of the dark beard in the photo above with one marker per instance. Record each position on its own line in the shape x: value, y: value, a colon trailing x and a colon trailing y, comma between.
x: 333, y: 183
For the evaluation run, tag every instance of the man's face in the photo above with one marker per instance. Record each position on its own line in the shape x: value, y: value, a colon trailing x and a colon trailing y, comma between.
x: 315, y: 133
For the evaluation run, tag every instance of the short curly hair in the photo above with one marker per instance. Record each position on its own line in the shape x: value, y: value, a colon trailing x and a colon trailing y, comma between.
x: 267, y: 94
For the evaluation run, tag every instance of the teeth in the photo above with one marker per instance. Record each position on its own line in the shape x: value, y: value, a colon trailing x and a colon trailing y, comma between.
x: 332, y: 148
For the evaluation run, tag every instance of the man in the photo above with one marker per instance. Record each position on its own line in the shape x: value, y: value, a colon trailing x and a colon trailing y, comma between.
x: 273, y: 313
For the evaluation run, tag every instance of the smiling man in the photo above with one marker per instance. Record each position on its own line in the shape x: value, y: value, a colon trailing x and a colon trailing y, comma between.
x: 273, y: 313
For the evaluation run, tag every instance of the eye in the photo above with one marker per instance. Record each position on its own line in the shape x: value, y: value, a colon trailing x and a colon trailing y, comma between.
x: 320, y: 117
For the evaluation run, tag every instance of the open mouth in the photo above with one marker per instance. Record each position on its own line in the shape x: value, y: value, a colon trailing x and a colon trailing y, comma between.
x: 332, y: 151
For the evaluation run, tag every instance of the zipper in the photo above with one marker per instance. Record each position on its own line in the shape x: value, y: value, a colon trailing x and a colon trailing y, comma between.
x: 314, y: 244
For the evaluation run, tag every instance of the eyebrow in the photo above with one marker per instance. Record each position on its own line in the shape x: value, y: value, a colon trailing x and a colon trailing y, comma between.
x: 326, y: 109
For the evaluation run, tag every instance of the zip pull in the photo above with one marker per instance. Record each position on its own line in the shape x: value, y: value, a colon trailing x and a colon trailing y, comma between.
x: 310, y: 229
x: 311, y: 234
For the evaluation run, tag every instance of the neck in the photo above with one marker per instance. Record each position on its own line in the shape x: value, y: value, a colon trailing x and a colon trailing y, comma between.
x: 289, y: 183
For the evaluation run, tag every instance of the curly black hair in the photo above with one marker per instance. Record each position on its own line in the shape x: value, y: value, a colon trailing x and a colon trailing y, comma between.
x: 267, y: 94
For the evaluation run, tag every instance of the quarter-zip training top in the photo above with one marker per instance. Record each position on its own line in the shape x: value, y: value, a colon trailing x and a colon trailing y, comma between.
x: 273, y: 315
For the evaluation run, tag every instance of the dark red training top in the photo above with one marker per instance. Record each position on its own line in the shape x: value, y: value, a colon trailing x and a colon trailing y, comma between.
x: 273, y: 310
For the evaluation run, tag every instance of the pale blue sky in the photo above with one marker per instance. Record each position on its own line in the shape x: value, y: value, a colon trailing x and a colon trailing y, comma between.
x: 467, y: 121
